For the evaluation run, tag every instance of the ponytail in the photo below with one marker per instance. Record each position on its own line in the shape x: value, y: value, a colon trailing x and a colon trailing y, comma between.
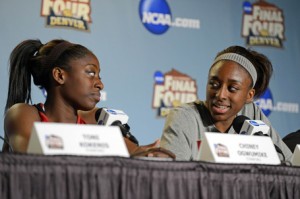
x: 19, y: 88
x: 32, y: 58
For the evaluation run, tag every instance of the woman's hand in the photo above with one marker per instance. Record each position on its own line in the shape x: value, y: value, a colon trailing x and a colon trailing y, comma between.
x: 150, y: 150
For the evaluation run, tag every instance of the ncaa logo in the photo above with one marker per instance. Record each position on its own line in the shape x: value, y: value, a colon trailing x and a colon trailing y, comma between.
x: 253, y: 123
x: 265, y: 102
x: 155, y: 15
x: 112, y: 112
x: 159, y: 77
x: 247, y: 6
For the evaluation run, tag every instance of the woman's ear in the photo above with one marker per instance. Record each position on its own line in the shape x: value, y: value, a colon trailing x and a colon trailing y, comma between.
x: 250, y: 95
x: 58, y: 75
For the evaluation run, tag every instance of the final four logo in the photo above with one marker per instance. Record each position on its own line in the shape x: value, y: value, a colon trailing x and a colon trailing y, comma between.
x: 156, y: 16
x: 263, y: 24
x: 172, y: 89
x: 67, y: 13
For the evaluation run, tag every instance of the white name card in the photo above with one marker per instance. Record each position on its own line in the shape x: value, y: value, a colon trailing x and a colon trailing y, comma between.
x: 76, y: 139
x: 296, y: 156
x: 234, y: 148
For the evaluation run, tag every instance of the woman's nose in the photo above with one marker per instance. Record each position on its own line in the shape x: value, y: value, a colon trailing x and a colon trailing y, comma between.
x: 222, y: 93
x: 99, y: 84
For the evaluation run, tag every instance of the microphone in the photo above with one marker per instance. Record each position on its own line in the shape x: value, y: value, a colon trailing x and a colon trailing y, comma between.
x: 245, y: 126
x: 112, y: 117
x: 106, y: 116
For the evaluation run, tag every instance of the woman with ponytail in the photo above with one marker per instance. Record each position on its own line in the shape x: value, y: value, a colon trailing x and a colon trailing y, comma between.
x: 68, y: 72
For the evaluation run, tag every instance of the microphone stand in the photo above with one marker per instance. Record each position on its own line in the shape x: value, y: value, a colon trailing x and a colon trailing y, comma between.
x: 125, y: 131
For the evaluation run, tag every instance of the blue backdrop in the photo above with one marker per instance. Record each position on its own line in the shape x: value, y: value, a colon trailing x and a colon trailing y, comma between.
x: 130, y: 51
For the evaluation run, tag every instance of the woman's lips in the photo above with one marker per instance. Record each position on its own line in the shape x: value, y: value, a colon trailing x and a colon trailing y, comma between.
x: 220, y: 109
x: 96, y: 96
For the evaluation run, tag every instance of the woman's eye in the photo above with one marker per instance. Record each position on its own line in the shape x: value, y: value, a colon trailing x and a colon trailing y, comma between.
x: 91, y: 73
x: 214, y: 84
x: 233, y: 89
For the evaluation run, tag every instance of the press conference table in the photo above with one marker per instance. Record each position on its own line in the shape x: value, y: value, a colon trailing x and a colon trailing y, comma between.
x: 36, y: 176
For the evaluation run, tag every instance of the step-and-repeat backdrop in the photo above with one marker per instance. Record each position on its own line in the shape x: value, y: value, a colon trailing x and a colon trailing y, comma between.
x: 155, y: 54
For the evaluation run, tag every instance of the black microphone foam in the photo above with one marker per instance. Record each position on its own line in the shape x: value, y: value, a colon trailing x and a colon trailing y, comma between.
x: 238, y: 122
x: 97, y: 114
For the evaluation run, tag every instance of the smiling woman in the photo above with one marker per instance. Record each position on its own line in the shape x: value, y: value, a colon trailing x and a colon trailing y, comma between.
x: 68, y: 72
x: 236, y: 77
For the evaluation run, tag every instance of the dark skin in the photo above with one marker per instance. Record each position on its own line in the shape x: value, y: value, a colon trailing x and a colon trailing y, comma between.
x: 228, y: 90
x: 70, y: 91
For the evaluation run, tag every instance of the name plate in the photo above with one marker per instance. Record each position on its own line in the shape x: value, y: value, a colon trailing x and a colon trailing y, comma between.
x: 234, y: 148
x: 296, y: 156
x: 76, y: 139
